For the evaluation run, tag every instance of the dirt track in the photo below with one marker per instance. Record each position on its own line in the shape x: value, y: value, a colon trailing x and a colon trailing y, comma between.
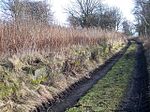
x: 70, y: 97
x: 137, y: 97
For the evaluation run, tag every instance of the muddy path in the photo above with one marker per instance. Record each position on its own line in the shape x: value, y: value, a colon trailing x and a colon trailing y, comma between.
x: 71, y: 96
x: 137, y: 97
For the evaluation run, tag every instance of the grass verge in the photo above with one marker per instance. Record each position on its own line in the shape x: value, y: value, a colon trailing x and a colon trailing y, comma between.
x: 108, y: 92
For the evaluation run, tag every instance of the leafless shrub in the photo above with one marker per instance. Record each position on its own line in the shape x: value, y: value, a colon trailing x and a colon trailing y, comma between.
x: 31, y: 37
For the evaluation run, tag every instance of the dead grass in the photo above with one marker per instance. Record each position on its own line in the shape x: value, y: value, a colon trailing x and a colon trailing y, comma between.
x: 37, y: 62
x: 30, y: 37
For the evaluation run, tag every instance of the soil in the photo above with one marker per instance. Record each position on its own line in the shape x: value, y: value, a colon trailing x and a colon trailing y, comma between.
x: 70, y: 96
x: 137, y: 97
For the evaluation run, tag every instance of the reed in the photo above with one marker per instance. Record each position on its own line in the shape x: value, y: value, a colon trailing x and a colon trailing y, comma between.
x: 22, y: 37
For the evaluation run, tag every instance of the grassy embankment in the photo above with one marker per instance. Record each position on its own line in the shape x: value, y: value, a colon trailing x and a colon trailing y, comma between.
x: 108, y: 92
x: 38, y: 62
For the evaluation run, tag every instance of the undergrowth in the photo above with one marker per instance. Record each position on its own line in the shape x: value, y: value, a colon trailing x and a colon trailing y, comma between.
x: 30, y: 79
x: 37, y: 61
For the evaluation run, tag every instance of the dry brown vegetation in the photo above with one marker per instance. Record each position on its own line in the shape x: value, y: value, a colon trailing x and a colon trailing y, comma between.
x: 27, y: 36
x: 38, y: 62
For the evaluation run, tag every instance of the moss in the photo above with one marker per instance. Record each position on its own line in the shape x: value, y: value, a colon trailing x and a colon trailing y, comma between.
x: 38, y: 80
x: 108, y: 92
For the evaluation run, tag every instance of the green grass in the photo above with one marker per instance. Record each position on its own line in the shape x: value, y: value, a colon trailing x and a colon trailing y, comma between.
x: 108, y: 92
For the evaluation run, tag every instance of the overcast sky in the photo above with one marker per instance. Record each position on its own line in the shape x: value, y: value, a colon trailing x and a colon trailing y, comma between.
x: 60, y: 16
x: 126, y: 6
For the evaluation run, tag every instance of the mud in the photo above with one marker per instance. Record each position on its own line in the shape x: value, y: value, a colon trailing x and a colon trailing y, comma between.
x: 71, y: 95
x: 137, y: 97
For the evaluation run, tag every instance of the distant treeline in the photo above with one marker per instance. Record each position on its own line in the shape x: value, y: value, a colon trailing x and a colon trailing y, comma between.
x: 81, y: 13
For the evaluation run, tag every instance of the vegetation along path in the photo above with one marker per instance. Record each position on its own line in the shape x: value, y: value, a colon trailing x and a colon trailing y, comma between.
x: 70, y: 97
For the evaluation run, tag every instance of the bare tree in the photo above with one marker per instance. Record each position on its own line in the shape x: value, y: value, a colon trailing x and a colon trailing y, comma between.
x: 116, y: 17
x: 38, y: 11
x: 128, y: 27
x: 109, y: 18
x: 11, y: 8
x: 141, y: 12
x: 27, y: 10
x: 92, y: 13
x: 82, y: 12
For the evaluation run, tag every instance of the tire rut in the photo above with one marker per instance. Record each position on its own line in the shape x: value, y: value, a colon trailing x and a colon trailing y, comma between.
x: 137, y: 97
x: 71, y: 96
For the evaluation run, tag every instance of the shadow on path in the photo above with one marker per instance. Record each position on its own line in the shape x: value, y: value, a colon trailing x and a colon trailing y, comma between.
x: 137, y: 97
x: 71, y: 96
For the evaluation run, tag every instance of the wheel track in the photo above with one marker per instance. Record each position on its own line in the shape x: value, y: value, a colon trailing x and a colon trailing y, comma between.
x: 137, y: 97
x: 71, y: 95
